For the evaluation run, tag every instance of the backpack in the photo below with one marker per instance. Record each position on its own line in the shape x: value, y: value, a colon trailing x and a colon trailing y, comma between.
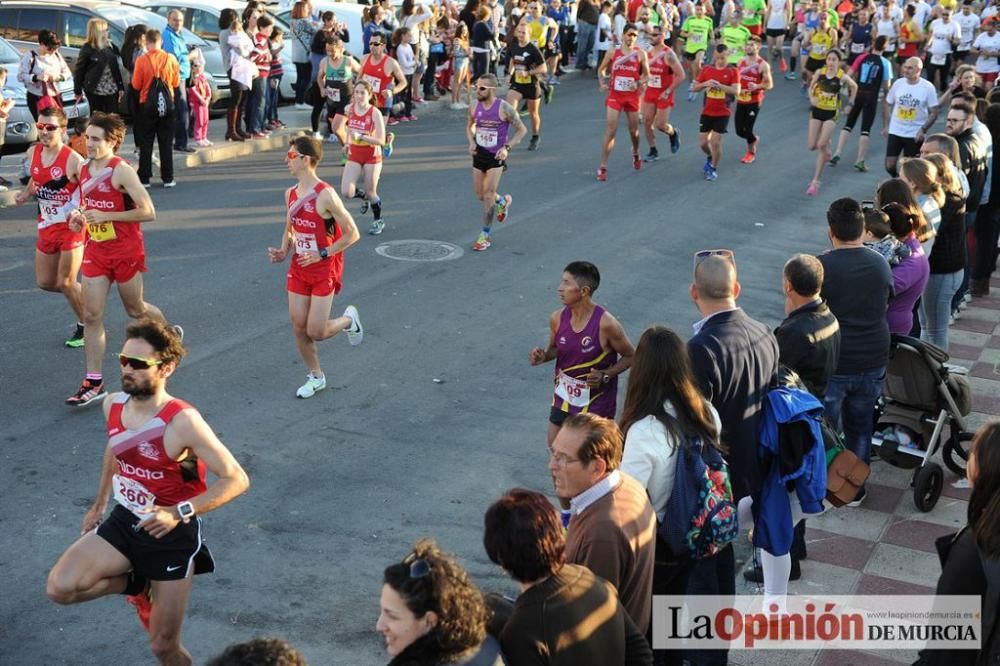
x: 700, y: 518
x: 159, y: 100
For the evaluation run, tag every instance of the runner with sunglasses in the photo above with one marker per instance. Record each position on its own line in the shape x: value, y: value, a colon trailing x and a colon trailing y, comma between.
x: 317, y: 231
x: 55, y: 176
x: 151, y: 545
x: 665, y: 74
x: 526, y: 65
x: 490, y: 141
x: 755, y: 80
x: 113, y: 206
x: 623, y: 73
x: 386, y: 78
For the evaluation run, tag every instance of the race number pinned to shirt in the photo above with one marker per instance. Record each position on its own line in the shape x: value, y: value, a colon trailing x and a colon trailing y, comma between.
x: 487, y: 138
x: 623, y: 84
x: 100, y: 232
x: 376, y: 84
x: 908, y: 113
x: 573, y: 391
x: 939, y: 58
x: 305, y: 243
x: 521, y: 75
x: 52, y: 212
x: 333, y: 94
x: 133, y: 496
x: 654, y: 81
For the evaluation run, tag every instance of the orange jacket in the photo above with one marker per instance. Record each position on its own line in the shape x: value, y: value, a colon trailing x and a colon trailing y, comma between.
x: 155, y: 63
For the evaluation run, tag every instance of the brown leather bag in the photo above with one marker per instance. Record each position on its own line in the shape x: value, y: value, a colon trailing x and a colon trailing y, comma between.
x: 845, y: 476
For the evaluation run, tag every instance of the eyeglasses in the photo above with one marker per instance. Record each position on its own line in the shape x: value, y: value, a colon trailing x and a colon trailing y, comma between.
x: 484, y: 88
x: 561, y: 459
x: 702, y: 255
x: 137, y: 362
x: 374, y: 44
x: 47, y: 127
x: 419, y: 567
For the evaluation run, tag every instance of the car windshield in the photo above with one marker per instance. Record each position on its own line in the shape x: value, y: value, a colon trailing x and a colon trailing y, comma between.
x: 8, y: 54
x: 127, y: 16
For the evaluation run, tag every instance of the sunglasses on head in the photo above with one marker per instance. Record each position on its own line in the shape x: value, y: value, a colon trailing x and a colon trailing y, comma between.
x: 137, y: 362
x: 419, y: 567
x: 702, y: 255
x: 47, y: 127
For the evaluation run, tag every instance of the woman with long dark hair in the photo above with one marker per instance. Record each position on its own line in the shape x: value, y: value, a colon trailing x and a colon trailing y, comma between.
x: 663, y: 407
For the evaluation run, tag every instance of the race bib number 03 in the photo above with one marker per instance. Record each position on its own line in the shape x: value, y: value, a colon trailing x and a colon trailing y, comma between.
x: 573, y: 391
x: 51, y: 211
x: 305, y: 243
x: 101, y: 232
x: 133, y: 496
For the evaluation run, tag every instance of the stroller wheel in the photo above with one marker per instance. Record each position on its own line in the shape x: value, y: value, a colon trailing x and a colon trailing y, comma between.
x: 927, y: 485
x: 955, y: 452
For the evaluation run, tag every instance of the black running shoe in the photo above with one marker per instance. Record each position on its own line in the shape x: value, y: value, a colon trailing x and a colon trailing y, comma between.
x: 77, y: 340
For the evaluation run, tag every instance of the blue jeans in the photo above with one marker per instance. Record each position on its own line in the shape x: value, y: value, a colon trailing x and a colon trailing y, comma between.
x: 935, y: 307
x: 849, y: 404
x: 271, y: 98
x: 584, y: 42
x: 255, y: 106
x: 714, y: 575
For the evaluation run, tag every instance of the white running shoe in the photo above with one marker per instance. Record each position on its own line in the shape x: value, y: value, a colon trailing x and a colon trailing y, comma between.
x: 355, y: 333
x: 312, y: 386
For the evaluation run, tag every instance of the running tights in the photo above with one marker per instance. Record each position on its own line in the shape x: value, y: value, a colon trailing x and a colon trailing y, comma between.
x: 744, y: 120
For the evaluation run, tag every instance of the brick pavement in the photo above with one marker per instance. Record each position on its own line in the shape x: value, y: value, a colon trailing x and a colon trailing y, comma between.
x: 886, y: 546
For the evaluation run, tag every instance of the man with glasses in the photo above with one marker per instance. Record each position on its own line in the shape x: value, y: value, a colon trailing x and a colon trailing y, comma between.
x: 975, y: 155
x: 387, y: 79
x: 490, y: 142
x: 55, y: 176
x: 113, y: 206
x: 151, y: 545
x: 665, y: 75
x: 526, y: 65
x: 623, y: 73
x: 720, y: 83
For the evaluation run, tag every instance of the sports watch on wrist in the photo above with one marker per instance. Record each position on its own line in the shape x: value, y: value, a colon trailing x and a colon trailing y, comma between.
x: 186, y: 511
x: 324, y: 253
x: 605, y: 378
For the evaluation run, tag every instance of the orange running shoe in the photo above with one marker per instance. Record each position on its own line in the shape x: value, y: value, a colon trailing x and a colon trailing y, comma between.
x: 143, y: 606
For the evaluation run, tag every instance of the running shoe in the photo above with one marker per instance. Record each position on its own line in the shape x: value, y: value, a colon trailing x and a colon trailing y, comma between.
x: 835, y: 160
x: 652, y: 155
x: 711, y: 174
x: 170, y: 183
x: 390, y: 139
x: 708, y: 165
x: 482, y: 243
x: 692, y: 95
x: 675, y: 141
x: 602, y: 173
x: 636, y: 161
x: 318, y: 135
x: 378, y: 226
x: 782, y: 66
x: 365, y: 203
x: 332, y: 138
x: 791, y: 76
x: 813, y: 189
x: 88, y: 392
x: 803, y: 91
x: 179, y: 331
x: 408, y: 119
x: 503, y: 207
x: 749, y: 157
x: 355, y: 332
x: 533, y: 144
x: 143, y: 606
x: 77, y: 340
x: 312, y: 386
x: 861, y: 166
x: 393, y: 120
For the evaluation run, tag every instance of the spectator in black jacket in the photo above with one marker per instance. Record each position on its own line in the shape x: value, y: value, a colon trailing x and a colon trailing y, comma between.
x: 975, y: 165
x: 97, y: 73
x: 987, y: 225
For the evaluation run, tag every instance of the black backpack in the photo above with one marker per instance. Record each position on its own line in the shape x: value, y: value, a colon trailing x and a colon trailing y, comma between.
x: 159, y: 100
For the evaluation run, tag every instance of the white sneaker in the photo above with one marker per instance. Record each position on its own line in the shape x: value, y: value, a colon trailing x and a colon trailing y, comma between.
x: 312, y: 386
x: 332, y: 139
x: 303, y: 107
x: 355, y: 333
x: 318, y: 135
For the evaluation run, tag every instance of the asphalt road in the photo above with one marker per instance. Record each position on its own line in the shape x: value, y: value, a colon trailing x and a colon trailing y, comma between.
x: 345, y: 482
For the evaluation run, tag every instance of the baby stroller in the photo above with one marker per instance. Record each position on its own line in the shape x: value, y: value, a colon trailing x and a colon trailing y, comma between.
x: 923, y: 395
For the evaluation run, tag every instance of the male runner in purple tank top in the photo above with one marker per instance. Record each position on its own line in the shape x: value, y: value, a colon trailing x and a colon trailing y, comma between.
x: 589, y: 346
x: 488, y: 131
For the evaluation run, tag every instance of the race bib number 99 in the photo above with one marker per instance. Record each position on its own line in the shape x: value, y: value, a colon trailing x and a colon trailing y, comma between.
x: 133, y: 496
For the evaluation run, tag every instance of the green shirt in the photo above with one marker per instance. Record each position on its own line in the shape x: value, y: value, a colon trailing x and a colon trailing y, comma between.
x: 753, y: 12
x: 735, y: 39
x: 697, y: 31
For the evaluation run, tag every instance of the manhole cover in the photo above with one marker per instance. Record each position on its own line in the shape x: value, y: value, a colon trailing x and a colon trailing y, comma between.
x: 419, y: 250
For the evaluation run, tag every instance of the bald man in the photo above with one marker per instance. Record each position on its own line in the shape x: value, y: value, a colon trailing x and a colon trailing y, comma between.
x: 908, y: 111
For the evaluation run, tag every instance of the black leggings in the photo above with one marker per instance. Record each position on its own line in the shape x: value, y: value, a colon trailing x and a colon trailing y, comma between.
x: 986, y: 228
x: 866, y: 106
x: 744, y: 120
x: 940, y: 70
x: 303, y: 73
x: 317, y: 108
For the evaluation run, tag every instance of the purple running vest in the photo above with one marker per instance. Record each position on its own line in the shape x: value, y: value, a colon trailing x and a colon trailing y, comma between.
x: 491, y: 129
x: 576, y: 355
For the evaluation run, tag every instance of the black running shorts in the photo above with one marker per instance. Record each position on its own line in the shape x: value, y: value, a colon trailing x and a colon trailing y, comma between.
x: 717, y: 124
x: 175, y: 556
x: 527, y: 91
x: 484, y: 160
x: 775, y: 32
x: 908, y: 146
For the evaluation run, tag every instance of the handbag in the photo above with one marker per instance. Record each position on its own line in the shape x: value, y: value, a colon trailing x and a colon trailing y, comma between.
x: 845, y: 472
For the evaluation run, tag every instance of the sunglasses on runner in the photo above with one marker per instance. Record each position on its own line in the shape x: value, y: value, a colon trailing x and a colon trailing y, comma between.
x: 484, y: 88
x: 137, y: 362
x: 373, y: 44
x: 291, y: 154
x: 47, y: 127
x: 705, y: 254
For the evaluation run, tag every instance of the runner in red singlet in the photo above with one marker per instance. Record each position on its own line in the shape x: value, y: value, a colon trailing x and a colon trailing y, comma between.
x: 317, y: 231
x: 386, y: 78
x: 151, y: 545
x: 113, y: 204
x: 623, y: 73
x: 55, y: 176
x: 720, y: 82
x: 665, y: 74
x: 365, y: 138
x: 755, y: 80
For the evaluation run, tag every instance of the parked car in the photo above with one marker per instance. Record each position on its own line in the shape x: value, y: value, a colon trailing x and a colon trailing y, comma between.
x: 21, y: 130
x: 21, y: 20
x: 348, y: 14
x: 202, y: 18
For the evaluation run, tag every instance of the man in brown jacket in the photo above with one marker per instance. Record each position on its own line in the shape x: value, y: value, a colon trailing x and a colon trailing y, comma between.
x: 613, y: 527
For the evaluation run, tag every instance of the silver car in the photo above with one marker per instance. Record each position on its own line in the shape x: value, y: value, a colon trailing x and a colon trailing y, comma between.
x: 21, y: 130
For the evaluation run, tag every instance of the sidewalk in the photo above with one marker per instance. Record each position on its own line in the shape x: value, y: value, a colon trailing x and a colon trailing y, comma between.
x: 886, y: 546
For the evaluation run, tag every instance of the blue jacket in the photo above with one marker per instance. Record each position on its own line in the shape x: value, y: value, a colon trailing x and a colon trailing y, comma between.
x: 772, y: 510
x: 173, y: 44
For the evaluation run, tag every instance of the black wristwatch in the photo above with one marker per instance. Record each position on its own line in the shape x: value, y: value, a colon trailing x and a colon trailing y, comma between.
x: 324, y: 253
x: 605, y: 378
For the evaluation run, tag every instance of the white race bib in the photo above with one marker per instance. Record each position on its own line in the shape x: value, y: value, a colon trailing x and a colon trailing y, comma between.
x: 333, y: 94
x: 52, y: 211
x: 937, y: 59
x: 654, y: 81
x: 375, y: 83
x: 487, y: 138
x: 305, y: 243
x: 857, y: 48
x: 573, y: 391
x: 133, y: 496
x: 623, y: 84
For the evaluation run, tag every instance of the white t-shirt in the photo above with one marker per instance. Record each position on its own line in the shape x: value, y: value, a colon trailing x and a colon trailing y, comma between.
x: 911, y: 104
x: 942, y: 34
x: 605, y: 33
x: 923, y: 13
x: 985, y: 42
x: 895, y: 12
x: 990, y: 11
x: 888, y: 29
x: 776, y: 21
x: 968, y: 25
